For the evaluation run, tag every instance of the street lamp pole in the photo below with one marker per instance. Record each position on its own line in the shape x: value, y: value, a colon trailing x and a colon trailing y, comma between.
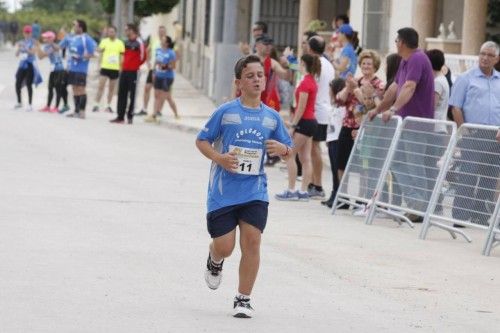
x: 118, y: 12
x: 131, y: 11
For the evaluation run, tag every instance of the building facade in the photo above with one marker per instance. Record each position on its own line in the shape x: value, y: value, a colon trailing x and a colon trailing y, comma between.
x: 213, y: 29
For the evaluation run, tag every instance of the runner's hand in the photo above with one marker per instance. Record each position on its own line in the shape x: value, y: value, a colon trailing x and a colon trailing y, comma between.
x: 275, y: 148
x: 498, y: 136
x: 228, y: 161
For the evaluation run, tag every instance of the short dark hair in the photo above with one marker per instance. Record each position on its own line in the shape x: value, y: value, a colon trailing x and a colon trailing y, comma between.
x: 342, y: 17
x: 133, y: 27
x: 262, y: 25
x: 82, y: 24
x: 243, y: 62
x: 437, y: 58
x: 409, y: 37
x: 317, y: 44
x: 310, y: 34
x: 112, y: 27
x: 337, y: 85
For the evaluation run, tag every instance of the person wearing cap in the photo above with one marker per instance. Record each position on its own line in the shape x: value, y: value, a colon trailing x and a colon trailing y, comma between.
x: 25, y: 50
x: 81, y: 49
x: 57, y: 78
x: 348, y: 60
x: 111, y: 52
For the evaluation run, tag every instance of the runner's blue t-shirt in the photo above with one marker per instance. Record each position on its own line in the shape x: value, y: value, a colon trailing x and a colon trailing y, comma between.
x: 163, y: 58
x: 234, y: 127
x: 349, y: 53
x: 78, y: 46
x: 54, y: 57
x: 24, y: 46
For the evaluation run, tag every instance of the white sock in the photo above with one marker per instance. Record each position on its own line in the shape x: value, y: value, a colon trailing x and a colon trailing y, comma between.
x: 242, y: 296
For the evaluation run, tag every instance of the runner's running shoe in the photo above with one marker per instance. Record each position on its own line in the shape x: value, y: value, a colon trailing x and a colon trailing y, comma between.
x: 117, y: 121
x: 303, y: 196
x: 314, y: 193
x: 213, y: 274
x: 242, y: 307
x: 141, y: 113
x: 287, y: 195
x: 64, y: 109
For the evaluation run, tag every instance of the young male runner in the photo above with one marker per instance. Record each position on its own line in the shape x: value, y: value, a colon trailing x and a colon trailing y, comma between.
x: 236, y: 138
x: 111, y: 49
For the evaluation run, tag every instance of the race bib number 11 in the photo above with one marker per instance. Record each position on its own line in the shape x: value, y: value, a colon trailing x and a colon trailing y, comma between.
x: 249, y: 159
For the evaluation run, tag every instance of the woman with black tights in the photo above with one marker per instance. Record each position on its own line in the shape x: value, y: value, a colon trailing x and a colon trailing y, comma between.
x: 25, y: 73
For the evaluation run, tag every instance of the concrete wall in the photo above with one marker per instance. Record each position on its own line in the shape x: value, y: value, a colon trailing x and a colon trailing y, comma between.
x: 400, y: 16
x: 149, y: 25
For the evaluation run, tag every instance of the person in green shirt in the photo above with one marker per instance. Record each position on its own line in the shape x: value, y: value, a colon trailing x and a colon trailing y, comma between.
x: 111, y: 50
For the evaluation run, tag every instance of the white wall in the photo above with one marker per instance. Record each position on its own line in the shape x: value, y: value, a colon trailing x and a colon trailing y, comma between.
x: 149, y: 25
x: 400, y: 17
x: 356, y: 14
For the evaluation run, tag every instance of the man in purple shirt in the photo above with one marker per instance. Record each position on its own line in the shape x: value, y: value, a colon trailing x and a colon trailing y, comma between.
x: 411, y: 94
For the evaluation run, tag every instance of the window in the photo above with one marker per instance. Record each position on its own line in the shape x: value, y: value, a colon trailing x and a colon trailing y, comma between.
x: 208, y: 7
x: 193, y: 20
x: 376, y: 25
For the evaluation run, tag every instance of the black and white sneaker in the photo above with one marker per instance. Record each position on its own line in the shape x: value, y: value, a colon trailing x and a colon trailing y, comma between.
x: 213, y: 274
x: 242, y: 307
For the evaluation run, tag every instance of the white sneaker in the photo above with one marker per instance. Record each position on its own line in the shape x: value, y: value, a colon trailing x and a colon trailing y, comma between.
x: 361, y: 212
x: 29, y: 108
x: 18, y: 106
x: 213, y: 274
x: 242, y: 307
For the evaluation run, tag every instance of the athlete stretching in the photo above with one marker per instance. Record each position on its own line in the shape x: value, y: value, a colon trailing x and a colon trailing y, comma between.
x: 236, y: 138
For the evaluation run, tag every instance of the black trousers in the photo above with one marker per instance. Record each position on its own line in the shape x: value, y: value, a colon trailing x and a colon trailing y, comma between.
x: 126, y: 90
x: 25, y: 75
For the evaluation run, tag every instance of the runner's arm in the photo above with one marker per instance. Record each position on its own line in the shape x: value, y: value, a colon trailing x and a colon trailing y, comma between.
x: 228, y: 161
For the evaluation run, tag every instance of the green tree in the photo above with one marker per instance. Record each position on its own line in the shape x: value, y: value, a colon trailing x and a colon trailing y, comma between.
x: 143, y: 8
x: 493, y: 19
x: 92, y: 7
x: 3, y: 7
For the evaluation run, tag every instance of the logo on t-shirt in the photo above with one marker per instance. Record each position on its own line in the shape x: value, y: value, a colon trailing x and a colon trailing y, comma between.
x: 249, y: 131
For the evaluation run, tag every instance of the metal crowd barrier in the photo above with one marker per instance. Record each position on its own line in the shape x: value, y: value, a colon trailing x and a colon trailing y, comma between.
x: 493, y: 233
x: 412, y: 168
x: 467, y: 191
x: 366, y: 163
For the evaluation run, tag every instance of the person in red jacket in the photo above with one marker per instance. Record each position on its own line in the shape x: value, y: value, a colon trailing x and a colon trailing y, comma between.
x: 133, y: 58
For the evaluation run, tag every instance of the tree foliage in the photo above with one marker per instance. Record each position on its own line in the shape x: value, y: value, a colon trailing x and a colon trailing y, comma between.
x: 143, y: 8
x: 494, y: 18
x: 92, y: 7
x: 54, y: 20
